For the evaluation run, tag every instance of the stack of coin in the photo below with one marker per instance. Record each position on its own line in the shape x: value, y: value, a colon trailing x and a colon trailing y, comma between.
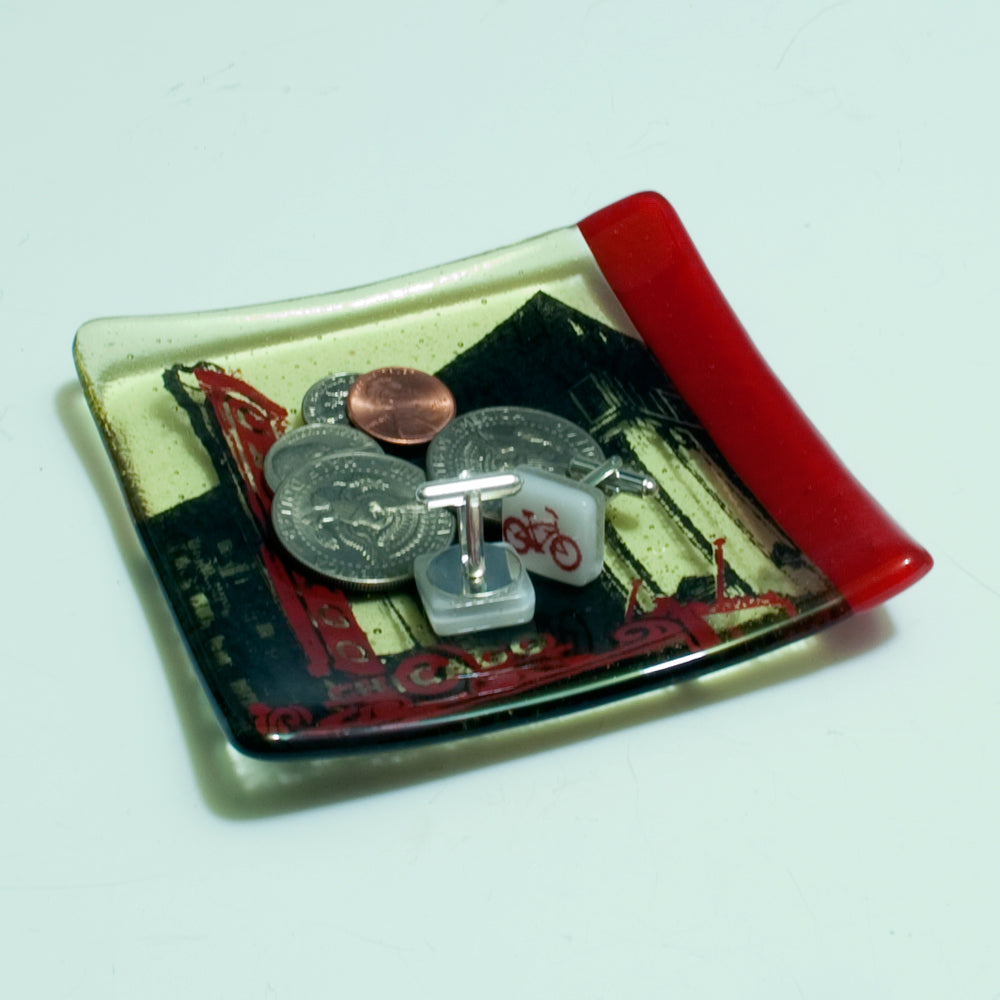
x: 341, y: 507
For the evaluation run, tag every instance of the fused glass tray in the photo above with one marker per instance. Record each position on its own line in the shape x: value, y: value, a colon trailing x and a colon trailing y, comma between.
x: 758, y: 534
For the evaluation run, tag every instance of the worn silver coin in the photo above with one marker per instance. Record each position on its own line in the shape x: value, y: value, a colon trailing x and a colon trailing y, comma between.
x: 498, y: 438
x: 304, y: 445
x: 326, y: 401
x: 355, y: 519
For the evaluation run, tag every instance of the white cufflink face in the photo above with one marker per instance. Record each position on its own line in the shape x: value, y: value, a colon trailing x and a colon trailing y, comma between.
x: 556, y: 526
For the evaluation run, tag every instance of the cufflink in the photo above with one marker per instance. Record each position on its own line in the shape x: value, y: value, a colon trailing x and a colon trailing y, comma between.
x: 556, y: 526
x: 475, y: 585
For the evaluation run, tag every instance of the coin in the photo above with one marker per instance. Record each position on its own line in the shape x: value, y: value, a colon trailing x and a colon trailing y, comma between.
x: 502, y: 437
x: 400, y: 405
x: 326, y: 400
x: 355, y: 519
x: 303, y: 445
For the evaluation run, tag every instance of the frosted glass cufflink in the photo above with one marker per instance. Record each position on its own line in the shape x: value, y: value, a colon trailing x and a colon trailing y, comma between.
x: 556, y: 526
x: 474, y: 585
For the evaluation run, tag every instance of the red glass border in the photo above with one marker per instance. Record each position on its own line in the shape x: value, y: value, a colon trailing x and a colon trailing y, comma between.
x: 658, y: 276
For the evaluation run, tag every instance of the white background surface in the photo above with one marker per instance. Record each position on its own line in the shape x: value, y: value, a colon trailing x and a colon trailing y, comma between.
x: 823, y: 827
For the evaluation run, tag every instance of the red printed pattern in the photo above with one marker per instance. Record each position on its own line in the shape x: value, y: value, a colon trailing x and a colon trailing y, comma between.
x: 320, y: 616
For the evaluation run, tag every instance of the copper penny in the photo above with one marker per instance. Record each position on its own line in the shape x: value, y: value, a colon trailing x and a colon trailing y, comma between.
x: 400, y: 405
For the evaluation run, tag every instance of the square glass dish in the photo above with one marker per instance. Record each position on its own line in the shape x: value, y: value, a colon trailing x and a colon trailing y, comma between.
x: 757, y: 534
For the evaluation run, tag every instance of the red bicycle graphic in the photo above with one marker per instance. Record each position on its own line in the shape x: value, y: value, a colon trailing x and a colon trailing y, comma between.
x: 530, y: 535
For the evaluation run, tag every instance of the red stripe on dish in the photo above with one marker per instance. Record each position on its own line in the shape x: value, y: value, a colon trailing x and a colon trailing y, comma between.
x: 655, y: 271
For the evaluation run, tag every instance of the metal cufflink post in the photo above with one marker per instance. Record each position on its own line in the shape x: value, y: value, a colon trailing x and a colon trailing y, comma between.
x: 612, y: 477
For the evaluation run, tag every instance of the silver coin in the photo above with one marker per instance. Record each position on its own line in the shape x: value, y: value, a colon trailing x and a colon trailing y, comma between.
x: 304, y: 445
x: 501, y: 437
x: 326, y: 401
x: 355, y: 519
